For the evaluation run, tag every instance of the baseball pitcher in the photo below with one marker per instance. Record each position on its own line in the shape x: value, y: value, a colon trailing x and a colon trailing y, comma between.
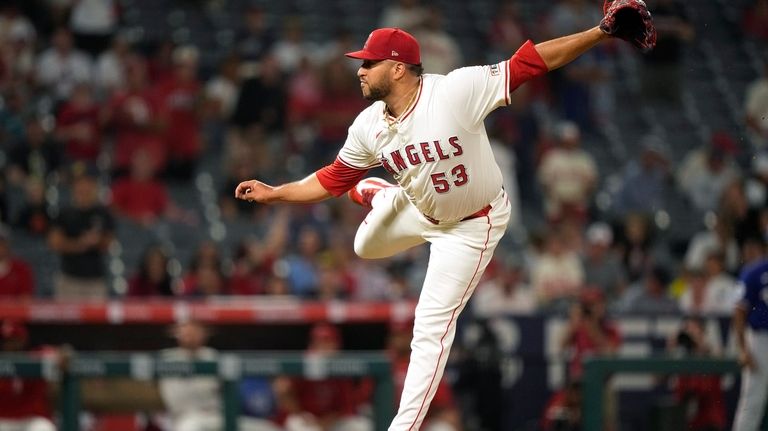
x: 427, y: 132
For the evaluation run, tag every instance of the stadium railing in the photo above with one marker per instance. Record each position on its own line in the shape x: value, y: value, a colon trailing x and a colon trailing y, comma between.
x: 598, y: 369
x: 230, y: 368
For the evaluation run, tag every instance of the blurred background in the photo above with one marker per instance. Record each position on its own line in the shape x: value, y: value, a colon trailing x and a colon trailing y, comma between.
x: 640, y: 183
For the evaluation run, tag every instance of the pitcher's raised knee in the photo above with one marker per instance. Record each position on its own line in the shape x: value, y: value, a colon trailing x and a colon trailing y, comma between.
x: 366, y: 249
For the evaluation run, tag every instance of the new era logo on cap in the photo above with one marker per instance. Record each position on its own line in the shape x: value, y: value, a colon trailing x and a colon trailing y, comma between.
x: 389, y: 44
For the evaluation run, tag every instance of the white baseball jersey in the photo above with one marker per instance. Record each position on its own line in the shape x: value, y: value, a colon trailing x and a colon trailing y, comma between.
x: 426, y: 151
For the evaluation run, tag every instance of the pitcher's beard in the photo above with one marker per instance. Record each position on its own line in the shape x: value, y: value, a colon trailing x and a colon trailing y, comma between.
x: 377, y: 93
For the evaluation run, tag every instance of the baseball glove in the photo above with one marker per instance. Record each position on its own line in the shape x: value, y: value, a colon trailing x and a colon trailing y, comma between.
x: 631, y: 21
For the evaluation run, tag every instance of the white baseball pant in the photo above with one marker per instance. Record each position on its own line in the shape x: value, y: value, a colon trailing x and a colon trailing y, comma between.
x: 754, y: 385
x: 459, y: 253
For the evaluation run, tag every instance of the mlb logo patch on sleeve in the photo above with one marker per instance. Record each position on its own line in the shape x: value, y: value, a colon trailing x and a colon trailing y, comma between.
x: 495, y: 70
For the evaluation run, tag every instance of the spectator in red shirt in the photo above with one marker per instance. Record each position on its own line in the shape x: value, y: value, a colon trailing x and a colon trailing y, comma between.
x: 340, y: 104
x: 136, y: 118
x: 16, y: 278
x: 78, y: 125
x: 589, y: 332
x: 205, y: 276
x: 180, y: 98
x: 702, y: 394
x: 160, y: 64
x: 321, y: 404
x: 24, y: 403
x: 254, y: 259
x: 152, y: 277
x: 140, y: 196
x: 563, y: 410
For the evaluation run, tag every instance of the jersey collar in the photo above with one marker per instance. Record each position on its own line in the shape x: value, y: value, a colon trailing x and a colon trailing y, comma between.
x: 393, y: 121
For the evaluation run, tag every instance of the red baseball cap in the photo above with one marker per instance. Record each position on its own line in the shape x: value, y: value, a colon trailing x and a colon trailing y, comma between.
x: 389, y: 44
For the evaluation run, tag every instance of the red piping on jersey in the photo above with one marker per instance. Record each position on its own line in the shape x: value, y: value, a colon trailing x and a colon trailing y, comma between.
x: 506, y: 82
x: 418, y: 96
x: 453, y: 315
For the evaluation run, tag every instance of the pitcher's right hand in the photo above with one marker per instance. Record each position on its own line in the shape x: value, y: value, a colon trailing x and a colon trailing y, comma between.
x: 253, y: 191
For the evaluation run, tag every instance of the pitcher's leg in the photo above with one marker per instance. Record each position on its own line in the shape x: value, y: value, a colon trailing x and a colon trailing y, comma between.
x: 393, y: 225
x: 456, y: 264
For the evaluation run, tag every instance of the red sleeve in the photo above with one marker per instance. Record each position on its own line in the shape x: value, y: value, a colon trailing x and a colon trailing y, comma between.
x: 525, y: 65
x: 339, y: 177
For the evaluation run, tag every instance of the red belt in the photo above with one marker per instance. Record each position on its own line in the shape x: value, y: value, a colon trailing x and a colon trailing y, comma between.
x: 481, y: 213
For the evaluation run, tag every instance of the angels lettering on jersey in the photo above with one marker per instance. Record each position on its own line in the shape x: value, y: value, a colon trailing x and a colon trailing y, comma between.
x: 424, y: 152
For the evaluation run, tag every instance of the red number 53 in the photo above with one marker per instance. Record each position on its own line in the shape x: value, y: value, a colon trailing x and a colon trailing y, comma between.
x: 458, y: 177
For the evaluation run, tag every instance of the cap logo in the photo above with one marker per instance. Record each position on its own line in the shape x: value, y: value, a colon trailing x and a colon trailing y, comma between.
x: 395, y: 54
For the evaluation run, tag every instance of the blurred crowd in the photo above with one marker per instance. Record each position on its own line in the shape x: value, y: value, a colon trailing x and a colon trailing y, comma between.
x: 468, y: 397
x: 103, y: 129
x: 98, y: 128
x: 194, y: 403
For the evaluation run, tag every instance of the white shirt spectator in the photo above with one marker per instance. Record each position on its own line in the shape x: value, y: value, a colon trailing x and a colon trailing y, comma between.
x: 492, y: 299
x: 439, y: 51
x: 62, y: 71
x: 756, y: 186
x: 225, y: 92
x: 704, y: 243
x: 292, y: 48
x: 109, y: 72
x: 568, y: 173
x: 110, y: 66
x: 96, y: 17
x: 190, y: 395
x: 756, y: 108
x: 16, y: 26
x: 717, y: 298
x: 557, y: 275
x: 700, y: 182
x: 407, y: 14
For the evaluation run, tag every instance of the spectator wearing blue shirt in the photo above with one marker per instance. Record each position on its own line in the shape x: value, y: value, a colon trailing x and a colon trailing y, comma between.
x: 645, y: 180
x: 303, y: 272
